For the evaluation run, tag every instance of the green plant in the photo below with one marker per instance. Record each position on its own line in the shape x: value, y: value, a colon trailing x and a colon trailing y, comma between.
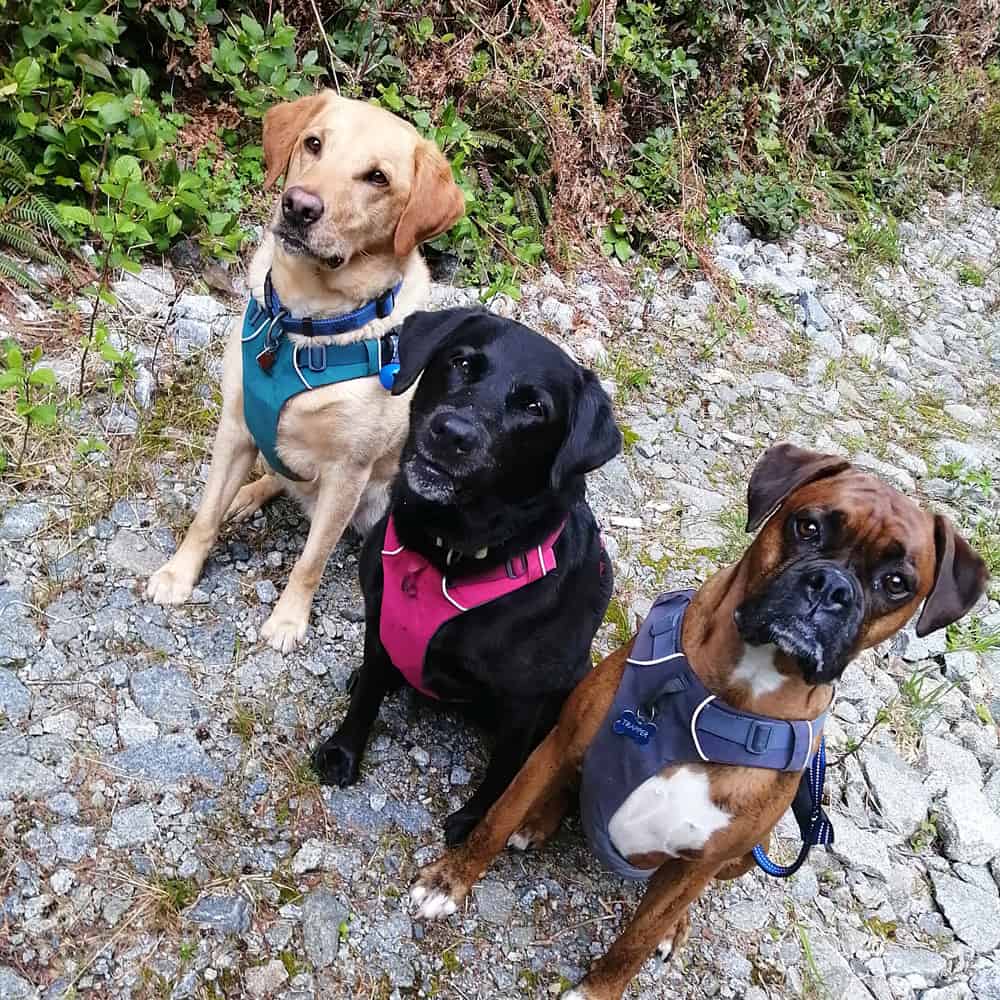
x: 922, y: 694
x: 874, y: 241
x: 617, y: 617
x: 969, y: 634
x: 33, y: 387
x: 924, y: 835
x: 969, y: 274
x: 770, y: 206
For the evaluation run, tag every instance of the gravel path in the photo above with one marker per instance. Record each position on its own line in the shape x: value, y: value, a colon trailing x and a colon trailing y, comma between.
x: 162, y: 836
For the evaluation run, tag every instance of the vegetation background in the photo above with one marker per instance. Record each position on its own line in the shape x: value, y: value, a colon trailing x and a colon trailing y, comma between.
x: 576, y: 127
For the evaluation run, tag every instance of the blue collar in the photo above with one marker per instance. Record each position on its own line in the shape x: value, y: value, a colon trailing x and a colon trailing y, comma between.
x: 379, y: 308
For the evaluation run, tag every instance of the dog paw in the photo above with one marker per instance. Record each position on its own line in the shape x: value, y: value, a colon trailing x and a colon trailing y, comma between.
x: 437, y: 892
x: 522, y: 840
x: 336, y: 763
x: 248, y: 501
x: 670, y: 947
x: 167, y: 586
x: 460, y: 824
x: 283, y: 632
x: 577, y: 993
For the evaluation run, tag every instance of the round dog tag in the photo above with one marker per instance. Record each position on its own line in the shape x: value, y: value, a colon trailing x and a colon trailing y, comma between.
x: 387, y: 374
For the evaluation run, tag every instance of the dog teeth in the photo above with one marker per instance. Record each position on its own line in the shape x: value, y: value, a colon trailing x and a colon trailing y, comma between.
x: 439, y: 543
x: 482, y: 553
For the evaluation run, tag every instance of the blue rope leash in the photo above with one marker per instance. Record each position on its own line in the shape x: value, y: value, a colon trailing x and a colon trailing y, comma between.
x: 819, y: 831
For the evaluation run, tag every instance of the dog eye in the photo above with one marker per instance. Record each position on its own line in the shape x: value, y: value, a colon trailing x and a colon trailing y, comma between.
x: 313, y: 144
x: 462, y: 363
x: 377, y: 178
x: 535, y: 407
x: 807, y: 529
x: 895, y: 585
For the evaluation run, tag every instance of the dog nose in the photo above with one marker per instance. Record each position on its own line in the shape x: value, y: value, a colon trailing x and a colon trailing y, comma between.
x: 829, y: 588
x: 455, y: 431
x: 301, y: 207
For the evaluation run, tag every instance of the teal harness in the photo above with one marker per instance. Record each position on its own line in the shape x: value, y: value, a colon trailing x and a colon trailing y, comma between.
x: 275, y: 369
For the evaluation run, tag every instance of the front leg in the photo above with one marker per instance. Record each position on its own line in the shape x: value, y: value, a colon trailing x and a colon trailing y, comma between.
x: 340, y: 489
x: 337, y: 760
x: 524, y: 726
x: 676, y: 884
x: 233, y: 454
x: 442, y: 886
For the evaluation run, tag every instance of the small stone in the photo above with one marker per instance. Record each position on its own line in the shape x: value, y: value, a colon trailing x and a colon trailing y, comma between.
x: 223, y: 914
x: 961, y: 665
x: 135, y: 728
x: 147, y: 293
x: 865, y: 346
x: 972, y: 913
x: 62, y: 881
x: 901, y: 961
x: 969, y: 829
x: 815, y: 315
x: 494, y: 902
x: 63, y: 804
x: 460, y: 776
x: 965, y: 414
x: 420, y: 757
x: 985, y: 983
x: 133, y: 826
x: 72, y: 841
x: 23, y: 520
x: 264, y: 980
x: 15, y: 698
x: 322, y: 916
x: 267, y: 592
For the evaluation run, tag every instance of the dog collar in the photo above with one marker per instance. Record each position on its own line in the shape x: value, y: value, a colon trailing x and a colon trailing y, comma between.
x: 378, y: 308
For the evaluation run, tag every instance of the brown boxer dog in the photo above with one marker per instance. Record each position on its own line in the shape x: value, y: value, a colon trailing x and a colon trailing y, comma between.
x: 841, y: 563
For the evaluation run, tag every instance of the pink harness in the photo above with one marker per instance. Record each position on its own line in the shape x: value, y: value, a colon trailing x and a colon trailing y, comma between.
x: 417, y: 598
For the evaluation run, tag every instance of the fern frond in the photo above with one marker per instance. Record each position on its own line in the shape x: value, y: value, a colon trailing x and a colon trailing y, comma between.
x: 490, y: 140
x: 12, y: 158
x: 11, y: 184
x: 39, y: 211
x: 8, y: 269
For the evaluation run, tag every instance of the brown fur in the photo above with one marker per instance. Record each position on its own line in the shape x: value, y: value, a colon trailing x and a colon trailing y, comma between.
x: 877, y: 517
x: 343, y: 439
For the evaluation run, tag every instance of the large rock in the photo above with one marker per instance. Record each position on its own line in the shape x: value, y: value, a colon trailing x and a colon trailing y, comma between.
x: 166, y: 696
x: 20, y: 775
x: 222, y: 914
x: 973, y: 913
x: 197, y: 320
x: 148, y: 293
x: 985, y: 983
x: 835, y: 974
x: 13, y: 987
x: 901, y: 961
x: 322, y: 916
x: 167, y: 761
x: 132, y: 827
x: 949, y: 764
x: 15, y: 698
x: 72, y: 842
x: 859, y: 849
x: 902, y: 798
x: 494, y: 902
x: 22, y: 520
x: 969, y: 828
x: 131, y: 552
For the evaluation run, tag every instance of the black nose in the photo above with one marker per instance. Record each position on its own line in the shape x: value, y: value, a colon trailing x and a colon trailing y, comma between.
x: 829, y: 588
x: 454, y: 431
x: 301, y: 207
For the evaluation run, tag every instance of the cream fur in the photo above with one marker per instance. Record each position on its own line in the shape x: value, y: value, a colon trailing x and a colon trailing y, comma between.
x: 344, y: 439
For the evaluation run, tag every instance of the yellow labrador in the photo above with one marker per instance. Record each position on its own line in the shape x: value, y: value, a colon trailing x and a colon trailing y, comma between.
x: 362, y: 191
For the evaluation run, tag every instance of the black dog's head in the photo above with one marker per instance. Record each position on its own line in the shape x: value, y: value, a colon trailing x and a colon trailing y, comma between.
x: 843, y: 561
x: 500, y: 414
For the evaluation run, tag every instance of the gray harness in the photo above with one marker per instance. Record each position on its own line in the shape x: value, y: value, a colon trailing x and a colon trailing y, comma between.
x: 663, y: 715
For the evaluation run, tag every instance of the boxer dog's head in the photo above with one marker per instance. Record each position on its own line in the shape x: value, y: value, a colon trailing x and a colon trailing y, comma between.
x: 843, y: 561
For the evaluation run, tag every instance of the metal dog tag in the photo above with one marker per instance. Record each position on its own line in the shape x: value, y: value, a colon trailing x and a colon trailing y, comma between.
x: 267, y: 357
x: 638, y: 730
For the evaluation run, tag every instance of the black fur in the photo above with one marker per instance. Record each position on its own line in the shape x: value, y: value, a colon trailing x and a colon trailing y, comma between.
x: 481, y: 468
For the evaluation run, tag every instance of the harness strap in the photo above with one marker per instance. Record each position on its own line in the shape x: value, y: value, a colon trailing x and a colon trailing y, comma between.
x: 378, y: 308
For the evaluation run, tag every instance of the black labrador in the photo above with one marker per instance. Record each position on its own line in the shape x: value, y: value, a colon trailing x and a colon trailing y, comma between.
x: 503, y: 427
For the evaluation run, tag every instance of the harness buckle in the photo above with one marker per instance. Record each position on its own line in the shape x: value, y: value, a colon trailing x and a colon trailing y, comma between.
x: 511, y: 572
x: 758, y: 737
x: 385, y: 303
x: 316, y: 358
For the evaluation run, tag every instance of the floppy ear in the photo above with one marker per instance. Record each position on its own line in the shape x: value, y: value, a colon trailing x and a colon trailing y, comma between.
x: 592, y: 437
x: 422, y: 336
x: 782, y: 470
x: 283, y: 124
x: 435, y: 204
x: 959, y: 579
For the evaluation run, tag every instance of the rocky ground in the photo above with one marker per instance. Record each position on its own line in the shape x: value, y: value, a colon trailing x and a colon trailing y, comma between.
x: 162, y: 835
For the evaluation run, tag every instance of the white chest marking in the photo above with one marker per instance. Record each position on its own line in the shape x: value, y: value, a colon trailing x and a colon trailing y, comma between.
x: 756, y: 669
x: 667, y: 815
